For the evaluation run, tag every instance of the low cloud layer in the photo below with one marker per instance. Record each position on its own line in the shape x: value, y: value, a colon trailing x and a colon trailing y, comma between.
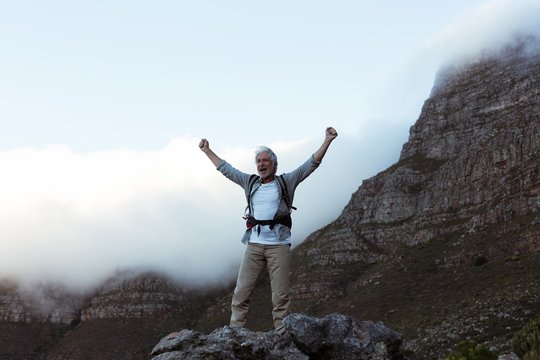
x: 483, y: 29
x: 76, y: 218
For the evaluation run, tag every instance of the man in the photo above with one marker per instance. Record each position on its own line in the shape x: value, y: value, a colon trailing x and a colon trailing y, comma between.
x: 268, y: 233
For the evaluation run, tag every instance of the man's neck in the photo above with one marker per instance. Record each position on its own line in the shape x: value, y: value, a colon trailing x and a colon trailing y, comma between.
x: 268, y: 179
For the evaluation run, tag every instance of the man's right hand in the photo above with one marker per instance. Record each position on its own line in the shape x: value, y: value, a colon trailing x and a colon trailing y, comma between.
x: 205, y: 148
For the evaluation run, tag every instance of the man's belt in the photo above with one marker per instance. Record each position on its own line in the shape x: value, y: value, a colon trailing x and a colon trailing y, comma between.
x: 284, y: 220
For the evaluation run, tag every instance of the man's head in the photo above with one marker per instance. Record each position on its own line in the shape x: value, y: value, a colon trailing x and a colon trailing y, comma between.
x: 266, y: 161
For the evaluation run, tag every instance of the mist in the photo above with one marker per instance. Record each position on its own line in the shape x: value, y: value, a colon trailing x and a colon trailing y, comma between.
x: 76, y: 218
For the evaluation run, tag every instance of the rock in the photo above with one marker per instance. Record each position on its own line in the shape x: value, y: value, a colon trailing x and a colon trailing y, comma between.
x: 226, y: 343
x: 510, y: 356
x: 339, y: 336
x: 335, y: 336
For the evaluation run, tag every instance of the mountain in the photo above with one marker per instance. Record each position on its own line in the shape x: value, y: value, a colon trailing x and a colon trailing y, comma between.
x: 123, y: 319
x: 442, y: 246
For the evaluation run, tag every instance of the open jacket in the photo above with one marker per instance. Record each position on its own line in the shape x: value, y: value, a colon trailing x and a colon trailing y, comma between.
x: 292, y: 179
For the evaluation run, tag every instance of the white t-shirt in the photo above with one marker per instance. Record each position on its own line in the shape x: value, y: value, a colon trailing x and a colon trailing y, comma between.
x: 265, y: 203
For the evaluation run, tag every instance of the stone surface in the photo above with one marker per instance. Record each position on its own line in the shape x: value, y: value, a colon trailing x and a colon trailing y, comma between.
x: 225, y: 343
x: 336, y: 336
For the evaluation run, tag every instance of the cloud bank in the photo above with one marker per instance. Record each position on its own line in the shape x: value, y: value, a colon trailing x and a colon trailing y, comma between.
x: 484, y: 29
x: 75, y: 218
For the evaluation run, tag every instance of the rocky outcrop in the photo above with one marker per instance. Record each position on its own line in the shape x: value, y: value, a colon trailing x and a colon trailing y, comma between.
x: 134, y: 295
x: 336, y: 336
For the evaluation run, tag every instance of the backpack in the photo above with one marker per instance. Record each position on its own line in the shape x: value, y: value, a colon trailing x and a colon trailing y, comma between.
x: 284, y: 197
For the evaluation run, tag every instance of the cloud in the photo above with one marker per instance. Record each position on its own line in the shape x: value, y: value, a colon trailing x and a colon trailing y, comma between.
x: 76, y: 218
x: 485, y: 28
x: 476, y: 31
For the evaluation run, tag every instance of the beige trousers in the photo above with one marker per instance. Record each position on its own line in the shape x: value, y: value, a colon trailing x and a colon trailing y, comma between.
x: 256, y: 258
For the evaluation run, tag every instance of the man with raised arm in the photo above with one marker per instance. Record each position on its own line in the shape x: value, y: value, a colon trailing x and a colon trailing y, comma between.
x: 268, y: 233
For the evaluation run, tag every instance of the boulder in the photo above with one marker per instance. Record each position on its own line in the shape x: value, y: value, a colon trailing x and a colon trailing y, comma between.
x: 340, y: 337
x: 336, y: 336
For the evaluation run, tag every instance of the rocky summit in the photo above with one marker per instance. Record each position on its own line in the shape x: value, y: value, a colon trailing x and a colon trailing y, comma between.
x: 335, y: 336
x: 441, y: 247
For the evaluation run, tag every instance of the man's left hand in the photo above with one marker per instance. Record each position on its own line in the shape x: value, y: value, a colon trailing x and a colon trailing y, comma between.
x: 331, y: 133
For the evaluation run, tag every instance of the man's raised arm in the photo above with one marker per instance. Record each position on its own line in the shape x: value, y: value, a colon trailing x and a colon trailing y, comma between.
x: 330, y: 135
x: 205, y: 148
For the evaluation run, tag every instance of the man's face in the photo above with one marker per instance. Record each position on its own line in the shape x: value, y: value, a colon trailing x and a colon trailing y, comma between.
x: 265, y: 167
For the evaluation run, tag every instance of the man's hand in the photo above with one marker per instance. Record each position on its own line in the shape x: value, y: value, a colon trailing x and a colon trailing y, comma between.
x: 204, y: 145
x: 331, y: 133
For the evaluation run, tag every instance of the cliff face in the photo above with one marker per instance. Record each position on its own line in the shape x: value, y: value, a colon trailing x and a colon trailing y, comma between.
x: 471, y: 162
x: 457, y: 215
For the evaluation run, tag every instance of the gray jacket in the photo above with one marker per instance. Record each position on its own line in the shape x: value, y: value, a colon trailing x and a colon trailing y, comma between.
x: 292, y: 179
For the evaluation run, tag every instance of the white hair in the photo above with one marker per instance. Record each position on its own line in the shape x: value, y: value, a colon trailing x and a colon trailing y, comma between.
x: 265, y: 149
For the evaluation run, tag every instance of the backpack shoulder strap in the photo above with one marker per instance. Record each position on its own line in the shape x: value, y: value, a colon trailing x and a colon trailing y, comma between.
x: 285, y: 192
x: 252, y: 180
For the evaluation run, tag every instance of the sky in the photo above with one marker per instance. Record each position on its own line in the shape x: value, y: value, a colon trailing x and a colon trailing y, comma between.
x: 103, y: 103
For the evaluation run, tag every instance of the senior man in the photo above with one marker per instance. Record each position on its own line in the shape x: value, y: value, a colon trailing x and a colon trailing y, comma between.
x: 268, y: 226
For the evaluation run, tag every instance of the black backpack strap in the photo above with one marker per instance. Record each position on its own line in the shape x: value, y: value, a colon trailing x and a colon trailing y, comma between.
x: 285, y: 192
x: 252, y: 180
